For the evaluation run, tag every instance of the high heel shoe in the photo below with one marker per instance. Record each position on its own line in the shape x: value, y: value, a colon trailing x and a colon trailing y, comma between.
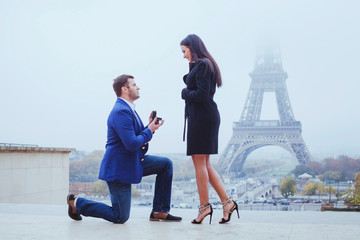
x: 235, y: 207
x: 202, y: 208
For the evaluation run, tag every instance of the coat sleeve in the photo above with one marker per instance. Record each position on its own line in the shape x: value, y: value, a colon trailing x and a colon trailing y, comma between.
x: 124, y: 127
x: 203, y: 85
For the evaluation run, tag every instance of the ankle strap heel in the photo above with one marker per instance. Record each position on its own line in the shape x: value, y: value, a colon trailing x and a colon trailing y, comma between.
x: 235, y: 207
x: 202, y: 208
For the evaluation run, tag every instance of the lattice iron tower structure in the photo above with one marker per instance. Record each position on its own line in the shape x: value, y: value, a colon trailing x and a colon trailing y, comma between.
x: 251, y: 133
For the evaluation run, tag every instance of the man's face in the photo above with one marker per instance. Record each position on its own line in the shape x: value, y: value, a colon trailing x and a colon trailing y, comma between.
x: 132, y: 90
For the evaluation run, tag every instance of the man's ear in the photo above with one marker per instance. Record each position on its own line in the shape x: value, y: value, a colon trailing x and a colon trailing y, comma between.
x: 124, y: 89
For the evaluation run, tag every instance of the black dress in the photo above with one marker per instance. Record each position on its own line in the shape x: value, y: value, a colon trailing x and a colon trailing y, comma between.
x: 201, y: 111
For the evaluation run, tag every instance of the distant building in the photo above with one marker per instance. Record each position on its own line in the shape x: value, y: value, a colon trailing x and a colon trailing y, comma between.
x: 305, y: 176
x: 32, y: 174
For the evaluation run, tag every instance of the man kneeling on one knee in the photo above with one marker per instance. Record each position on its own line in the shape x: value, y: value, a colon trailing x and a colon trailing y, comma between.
x: 125, y: 162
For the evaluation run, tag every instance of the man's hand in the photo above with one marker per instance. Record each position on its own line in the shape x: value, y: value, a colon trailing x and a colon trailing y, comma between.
x: 152, y: 116
x: 153, y: 126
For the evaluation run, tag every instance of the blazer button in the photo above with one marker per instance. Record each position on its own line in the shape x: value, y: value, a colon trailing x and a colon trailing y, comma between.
x: 142, y: 159
x: 142, y: 147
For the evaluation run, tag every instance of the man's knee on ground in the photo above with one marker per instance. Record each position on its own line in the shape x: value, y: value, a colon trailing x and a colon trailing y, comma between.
x: 120, y: 220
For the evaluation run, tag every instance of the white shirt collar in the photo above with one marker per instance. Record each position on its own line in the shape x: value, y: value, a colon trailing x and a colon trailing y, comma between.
x: 132, y: 105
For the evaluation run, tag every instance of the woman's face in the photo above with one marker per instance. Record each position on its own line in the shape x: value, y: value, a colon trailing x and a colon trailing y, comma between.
x: 187, y: 53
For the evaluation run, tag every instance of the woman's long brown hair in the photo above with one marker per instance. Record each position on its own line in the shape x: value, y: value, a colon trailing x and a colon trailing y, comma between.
x: 199, y: 51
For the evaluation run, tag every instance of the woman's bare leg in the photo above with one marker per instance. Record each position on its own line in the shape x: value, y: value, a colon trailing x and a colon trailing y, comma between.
x: 215, y: 181
x: 202, y: 181
x: 217, y: 184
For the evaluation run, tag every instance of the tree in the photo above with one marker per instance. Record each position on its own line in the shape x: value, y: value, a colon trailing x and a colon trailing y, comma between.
x: 320, y: 188
x: 333, y: 165
x: 288, y: 187
x: 100, y: 188
x: 331, y: 176
x: 87, y: 169
x: 351, y: 167
x: 330, y: 190
x: 353, y: 195
x: 315, y: 167
x: 301, y: 169
x: 310, y: 189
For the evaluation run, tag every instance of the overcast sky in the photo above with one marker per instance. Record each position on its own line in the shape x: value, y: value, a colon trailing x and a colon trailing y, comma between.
x: 58, y: 60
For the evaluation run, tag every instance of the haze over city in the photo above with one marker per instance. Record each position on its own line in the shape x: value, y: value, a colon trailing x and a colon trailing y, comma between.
x: 58, y: 60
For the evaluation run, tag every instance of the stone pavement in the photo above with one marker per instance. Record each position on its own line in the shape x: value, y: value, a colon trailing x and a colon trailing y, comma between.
x: 29, y: 221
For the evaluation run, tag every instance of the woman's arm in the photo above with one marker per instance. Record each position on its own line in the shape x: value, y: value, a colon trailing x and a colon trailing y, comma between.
x: 203, y: 85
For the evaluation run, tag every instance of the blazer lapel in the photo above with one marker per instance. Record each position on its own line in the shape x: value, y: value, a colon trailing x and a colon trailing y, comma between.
x: 136, y: 116
x: 138, y: 120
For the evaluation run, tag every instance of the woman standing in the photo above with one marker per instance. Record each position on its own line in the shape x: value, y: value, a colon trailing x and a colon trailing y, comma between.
x: 203, y: 119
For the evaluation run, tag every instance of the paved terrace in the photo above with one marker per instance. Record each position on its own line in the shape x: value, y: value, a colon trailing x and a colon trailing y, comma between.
x: 26, y: 221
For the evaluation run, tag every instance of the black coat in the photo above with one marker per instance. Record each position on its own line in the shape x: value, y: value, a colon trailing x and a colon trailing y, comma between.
x: 200, y: 109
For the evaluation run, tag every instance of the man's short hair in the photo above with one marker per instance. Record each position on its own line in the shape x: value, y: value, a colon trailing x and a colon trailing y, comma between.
x: 119, y: 82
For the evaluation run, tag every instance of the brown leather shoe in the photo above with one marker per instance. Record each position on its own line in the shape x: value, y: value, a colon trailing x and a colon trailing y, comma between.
x: 72, y: 209
x: 164, y: 216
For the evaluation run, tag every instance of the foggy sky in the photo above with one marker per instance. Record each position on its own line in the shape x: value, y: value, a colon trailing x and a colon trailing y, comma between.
x: 58, y: 60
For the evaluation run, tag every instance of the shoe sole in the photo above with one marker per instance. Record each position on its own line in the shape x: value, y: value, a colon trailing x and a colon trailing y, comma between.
x: 163, y: 220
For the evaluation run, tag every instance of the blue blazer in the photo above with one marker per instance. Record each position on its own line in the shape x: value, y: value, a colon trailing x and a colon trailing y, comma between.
x: 127, y: 143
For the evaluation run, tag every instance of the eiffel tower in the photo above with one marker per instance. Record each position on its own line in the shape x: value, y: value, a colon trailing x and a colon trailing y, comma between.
x: 251, y: 133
